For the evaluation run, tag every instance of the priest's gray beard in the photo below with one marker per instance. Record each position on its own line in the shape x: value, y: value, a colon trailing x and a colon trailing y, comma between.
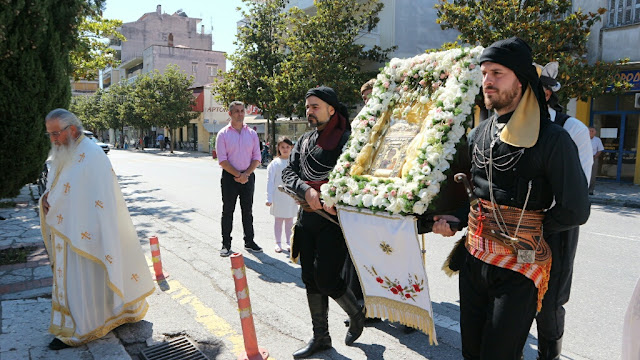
x: 61, y: 154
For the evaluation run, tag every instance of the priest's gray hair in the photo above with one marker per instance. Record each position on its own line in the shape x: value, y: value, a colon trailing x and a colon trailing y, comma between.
x: 66, y: 117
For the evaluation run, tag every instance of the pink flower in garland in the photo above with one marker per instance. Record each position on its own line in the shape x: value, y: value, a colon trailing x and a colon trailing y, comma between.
x: 379, y: 279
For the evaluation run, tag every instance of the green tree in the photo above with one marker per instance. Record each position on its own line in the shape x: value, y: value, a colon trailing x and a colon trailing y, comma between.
x: 92, y: 52
x: 325, y: 51
x: 257, y: 60
x: 36, y: 38
x: 87, y: 109
x: 165, y: 100
x: 553, y: 31
x: 115, y: 109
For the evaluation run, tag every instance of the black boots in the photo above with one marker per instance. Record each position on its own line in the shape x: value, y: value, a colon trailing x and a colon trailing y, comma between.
x: 549, y: 349
x: 319, y: 308
x: 350, y: 305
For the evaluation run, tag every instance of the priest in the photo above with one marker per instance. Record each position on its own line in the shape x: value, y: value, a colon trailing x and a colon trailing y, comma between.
x: 100, y: 277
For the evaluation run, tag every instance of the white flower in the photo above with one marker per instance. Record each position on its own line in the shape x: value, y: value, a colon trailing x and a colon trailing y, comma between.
x: 419, y: 207
x: 367, y: 200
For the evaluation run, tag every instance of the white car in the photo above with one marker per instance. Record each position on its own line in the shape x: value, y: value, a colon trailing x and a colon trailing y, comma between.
x: 89, y: 134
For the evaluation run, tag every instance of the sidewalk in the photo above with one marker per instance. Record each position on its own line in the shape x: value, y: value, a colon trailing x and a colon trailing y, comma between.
x: 615, y: 194
x: 25, y: 292
x: 25, y: 289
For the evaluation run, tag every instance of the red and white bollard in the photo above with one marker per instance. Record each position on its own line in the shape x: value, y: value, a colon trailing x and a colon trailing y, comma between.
x: 155, y: 258
x: 252, y: 352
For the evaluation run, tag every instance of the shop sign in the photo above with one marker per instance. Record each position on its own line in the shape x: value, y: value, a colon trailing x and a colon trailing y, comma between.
x: 631, y: 76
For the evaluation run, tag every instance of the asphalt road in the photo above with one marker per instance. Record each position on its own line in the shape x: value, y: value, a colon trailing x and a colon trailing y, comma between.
x: 177, y: 197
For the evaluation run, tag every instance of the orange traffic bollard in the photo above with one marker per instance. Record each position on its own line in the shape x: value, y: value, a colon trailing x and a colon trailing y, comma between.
x: 155, y: 258
x: 252, y: 352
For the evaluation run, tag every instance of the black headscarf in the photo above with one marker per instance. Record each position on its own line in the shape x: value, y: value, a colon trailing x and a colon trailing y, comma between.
x: 515, y: 54
x: 329, y: 96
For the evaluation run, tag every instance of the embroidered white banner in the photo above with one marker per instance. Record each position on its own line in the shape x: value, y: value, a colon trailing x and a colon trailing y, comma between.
x: 387, y: 255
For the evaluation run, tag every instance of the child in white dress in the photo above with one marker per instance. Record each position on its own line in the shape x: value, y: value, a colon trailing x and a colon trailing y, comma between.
x: 283, y: 207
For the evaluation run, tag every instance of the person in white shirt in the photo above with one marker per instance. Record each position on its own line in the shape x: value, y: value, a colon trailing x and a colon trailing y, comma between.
x: 596, y: 147
x: 550, y: 319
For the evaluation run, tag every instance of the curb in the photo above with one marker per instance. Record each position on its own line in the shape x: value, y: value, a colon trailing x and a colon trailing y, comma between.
x: 616, y: 202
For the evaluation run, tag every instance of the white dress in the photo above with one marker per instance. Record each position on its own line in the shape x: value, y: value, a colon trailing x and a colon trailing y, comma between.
x: 282, y: 205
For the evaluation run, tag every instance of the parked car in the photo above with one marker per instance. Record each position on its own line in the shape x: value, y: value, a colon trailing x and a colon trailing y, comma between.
x: 104, y: 146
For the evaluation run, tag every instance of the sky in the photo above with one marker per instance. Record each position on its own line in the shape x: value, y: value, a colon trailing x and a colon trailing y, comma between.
x: 219, y: 15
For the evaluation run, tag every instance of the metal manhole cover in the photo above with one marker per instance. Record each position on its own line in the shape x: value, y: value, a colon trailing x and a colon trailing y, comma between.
x: 180, y: 348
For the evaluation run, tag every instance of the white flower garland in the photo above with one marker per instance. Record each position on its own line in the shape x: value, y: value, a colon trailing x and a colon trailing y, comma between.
x: 449, y: 80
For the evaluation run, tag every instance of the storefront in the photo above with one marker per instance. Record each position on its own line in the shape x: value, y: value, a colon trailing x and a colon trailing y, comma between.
x: 617, y: 121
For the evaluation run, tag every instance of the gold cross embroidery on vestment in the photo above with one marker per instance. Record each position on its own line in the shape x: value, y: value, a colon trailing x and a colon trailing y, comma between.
x: 67, y: 187
x: 135, y: 277
x: 109, y: 259
x: 99, y: 204
x: 86, y: 235
x: 60, y: 218
x: 59, y: 247
x: 81, y: 157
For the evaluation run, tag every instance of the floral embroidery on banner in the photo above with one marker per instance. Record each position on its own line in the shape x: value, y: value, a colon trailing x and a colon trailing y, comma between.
x: 410, y: 291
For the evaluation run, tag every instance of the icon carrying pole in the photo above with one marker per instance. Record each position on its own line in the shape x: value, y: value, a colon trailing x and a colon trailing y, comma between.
x: 252, y: 352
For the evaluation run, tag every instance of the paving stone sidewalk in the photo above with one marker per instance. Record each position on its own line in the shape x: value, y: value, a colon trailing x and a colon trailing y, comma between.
x: 25, y: 292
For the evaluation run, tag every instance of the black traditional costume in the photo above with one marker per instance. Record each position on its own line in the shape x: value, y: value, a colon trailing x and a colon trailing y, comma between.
x: 318, y: 242
x: 521, y: 163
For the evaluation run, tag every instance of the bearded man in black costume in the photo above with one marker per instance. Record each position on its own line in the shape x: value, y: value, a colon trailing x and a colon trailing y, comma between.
x: 318, y: 242
x: 521, y: 163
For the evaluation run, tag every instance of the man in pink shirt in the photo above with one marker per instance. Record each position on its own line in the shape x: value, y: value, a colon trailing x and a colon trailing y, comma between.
x: 238, y: 151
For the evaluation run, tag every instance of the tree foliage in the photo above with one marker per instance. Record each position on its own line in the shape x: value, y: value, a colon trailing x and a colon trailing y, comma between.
x: 92, y: 52
x: 324, y: 51
x: 164, y: 99
x: 87, y: 109
x: 258, y: 59
x: 282, y: 54
x: 551, y: 28
x: 36, y: 38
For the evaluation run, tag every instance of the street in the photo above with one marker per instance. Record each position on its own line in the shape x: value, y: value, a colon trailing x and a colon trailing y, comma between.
x: 177, y: 198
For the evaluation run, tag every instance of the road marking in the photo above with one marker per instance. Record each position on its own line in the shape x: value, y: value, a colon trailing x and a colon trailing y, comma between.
x: 613, y: 236
x: 204, y: 314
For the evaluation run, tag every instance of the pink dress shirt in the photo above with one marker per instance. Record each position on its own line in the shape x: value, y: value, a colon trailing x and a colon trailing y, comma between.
x: 239, y: 148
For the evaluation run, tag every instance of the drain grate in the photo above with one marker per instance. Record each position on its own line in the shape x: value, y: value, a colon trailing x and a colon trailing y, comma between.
x: 180, y: 348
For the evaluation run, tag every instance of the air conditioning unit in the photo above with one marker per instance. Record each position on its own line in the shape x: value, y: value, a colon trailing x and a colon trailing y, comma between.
x: 637, y: 102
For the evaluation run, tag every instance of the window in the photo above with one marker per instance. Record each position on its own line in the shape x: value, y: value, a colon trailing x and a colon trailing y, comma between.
x: 194, y: 67
x: 623, y: 12
x: 212, y: 69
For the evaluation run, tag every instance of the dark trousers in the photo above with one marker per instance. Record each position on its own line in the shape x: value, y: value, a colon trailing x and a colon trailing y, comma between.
x: 350, y: 276
x: 322, y: 254
x: 231, y: 190
x: 550, y: 320
x: 497, y: 307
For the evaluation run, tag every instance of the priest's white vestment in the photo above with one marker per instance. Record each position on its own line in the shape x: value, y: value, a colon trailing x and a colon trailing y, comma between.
x: 100, y: 276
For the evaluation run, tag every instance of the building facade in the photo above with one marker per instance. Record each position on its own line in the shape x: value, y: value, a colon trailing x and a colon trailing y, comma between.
x: 616, y: 118
x: 155, y: 41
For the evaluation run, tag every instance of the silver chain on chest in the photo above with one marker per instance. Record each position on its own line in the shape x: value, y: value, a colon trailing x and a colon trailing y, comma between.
x: 310, y: 167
